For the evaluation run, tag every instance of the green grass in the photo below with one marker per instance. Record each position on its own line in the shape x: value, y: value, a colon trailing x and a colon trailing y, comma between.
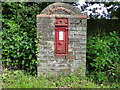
x: 18, y: 79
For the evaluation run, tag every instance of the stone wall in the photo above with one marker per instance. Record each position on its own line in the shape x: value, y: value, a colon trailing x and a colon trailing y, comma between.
x: 59, y: 64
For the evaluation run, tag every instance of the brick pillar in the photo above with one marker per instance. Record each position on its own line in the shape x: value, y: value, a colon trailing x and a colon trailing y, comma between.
x: 77, y: 27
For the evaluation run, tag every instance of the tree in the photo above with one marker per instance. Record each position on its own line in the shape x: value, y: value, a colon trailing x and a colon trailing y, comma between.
x: 98, y: 10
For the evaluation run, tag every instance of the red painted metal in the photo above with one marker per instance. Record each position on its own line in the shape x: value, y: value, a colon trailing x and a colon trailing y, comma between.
x: 61, y: 36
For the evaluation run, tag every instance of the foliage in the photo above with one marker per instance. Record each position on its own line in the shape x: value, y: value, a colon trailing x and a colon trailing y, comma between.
x: 103, y: 57
x: 114, y: 9
x: 98, y: 10
x: 19, y: 35
x: 18, y: 79
x: 102, y: 26
x: 17, y: 47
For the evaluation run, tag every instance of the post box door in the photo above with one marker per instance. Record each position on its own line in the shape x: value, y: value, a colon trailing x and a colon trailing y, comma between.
x: 61, y: 40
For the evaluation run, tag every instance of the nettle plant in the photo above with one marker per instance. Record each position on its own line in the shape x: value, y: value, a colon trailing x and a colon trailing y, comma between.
x: 103, y: 57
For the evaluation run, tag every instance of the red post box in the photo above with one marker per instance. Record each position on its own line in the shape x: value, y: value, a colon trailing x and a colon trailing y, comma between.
x: 61, y: 36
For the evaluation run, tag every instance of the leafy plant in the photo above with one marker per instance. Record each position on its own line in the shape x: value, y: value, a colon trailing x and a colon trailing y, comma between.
x: 19, y: 47
x: 18, y: 79
x: 103, y: 57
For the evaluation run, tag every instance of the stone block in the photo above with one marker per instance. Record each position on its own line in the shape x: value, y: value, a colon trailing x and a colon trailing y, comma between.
x: 70, y: 57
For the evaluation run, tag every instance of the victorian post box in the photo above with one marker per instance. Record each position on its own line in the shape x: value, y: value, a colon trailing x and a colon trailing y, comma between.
x: 61, y: 36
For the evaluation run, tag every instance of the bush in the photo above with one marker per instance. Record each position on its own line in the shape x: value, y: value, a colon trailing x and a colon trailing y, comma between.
x: 103, y: 57
x: 17, y: 48
x: 19, y: 35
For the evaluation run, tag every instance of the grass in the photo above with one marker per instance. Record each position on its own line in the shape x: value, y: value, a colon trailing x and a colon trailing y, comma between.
x: 18, y: 79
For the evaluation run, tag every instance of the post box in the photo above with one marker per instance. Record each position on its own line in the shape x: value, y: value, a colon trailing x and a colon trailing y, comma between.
x: 61, y: 36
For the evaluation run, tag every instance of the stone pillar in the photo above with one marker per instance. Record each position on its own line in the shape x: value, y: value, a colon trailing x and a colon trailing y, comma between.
x: 77, y: 27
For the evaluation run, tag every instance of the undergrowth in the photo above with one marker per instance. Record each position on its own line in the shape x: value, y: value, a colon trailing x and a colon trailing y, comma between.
x: 19, y: 79
x: 103, y: 58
